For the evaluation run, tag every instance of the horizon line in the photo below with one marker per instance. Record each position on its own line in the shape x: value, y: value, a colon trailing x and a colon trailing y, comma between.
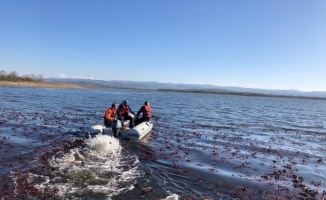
x: 211, y: 84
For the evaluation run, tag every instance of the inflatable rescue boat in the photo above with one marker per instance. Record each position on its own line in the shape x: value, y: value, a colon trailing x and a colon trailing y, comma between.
x: 123, y: 131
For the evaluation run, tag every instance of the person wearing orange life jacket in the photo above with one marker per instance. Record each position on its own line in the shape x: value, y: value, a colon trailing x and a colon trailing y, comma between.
x: 110, y: 115
x: 124, y: 113
x: 146, y: 109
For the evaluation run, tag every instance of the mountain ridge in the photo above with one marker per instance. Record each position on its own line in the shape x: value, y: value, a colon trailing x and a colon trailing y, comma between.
x: 152, y: 85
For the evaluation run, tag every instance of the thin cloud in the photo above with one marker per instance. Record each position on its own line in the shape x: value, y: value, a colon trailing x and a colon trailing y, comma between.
x: 277, y: 87
x: 62, y: 76
x: 82, y: 77
x: 75, y: 77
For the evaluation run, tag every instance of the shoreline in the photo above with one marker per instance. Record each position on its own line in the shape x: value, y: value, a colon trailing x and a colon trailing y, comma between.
x: 77, y: 86
x: 249, y: 94
x: 43, y: 85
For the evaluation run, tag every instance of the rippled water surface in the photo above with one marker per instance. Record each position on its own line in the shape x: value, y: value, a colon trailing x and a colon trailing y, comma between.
x: 202, y: 146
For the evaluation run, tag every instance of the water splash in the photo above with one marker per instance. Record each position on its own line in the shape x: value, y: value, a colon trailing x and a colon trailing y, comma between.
x: 102, y: 169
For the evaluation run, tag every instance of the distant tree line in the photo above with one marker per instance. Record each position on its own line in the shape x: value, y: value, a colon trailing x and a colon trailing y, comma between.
x: 13, y: 76
x: 225, y: 92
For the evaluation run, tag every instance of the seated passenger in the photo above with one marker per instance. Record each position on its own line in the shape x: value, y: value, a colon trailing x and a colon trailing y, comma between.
x: 110, y: 115
x: 124, y: 111
x: 146, y: 110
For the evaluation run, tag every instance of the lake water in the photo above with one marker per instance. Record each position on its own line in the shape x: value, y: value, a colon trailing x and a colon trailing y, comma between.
x: 202, y: 146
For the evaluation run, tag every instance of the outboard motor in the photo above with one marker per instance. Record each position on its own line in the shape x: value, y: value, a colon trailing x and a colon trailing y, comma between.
x: 116, y: 126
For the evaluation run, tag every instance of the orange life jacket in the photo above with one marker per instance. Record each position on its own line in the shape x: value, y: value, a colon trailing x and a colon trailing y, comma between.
x: 124, y: 110
x: 110, y: 114
x: 147, y: 111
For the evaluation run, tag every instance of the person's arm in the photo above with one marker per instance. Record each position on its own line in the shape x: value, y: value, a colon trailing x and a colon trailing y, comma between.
x: 118, y: 110
x: 140, y: 111
x: 131, y: 110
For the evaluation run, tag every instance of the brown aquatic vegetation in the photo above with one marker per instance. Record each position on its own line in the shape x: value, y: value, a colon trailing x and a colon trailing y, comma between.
x: 239, y: 152
x: 46, y: 142
x: 243, y: 155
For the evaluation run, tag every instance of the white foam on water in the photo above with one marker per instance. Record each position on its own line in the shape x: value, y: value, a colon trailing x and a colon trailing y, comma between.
x: 100, y: 169
x: 172, y: 197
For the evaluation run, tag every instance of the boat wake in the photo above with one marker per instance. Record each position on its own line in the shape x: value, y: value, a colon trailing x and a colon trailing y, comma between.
x: 102, y: 169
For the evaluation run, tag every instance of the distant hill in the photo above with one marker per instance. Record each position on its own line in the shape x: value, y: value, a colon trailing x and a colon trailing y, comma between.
x: 152, y: 85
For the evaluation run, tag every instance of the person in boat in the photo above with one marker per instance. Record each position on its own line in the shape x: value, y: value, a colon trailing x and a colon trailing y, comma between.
x: 124, y: 113
x: 110, y: 115
x: 146, y: 110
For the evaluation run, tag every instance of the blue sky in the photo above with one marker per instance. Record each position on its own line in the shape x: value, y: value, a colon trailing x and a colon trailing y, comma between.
x: 278, y: 44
